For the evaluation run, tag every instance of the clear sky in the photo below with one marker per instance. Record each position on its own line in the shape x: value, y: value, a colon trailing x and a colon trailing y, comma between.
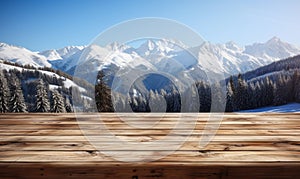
x: 47, y: 24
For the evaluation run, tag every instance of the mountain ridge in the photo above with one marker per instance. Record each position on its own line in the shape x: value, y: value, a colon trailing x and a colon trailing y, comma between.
x: 231, y: 57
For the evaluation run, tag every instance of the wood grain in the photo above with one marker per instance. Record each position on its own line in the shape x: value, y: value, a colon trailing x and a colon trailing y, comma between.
x: 245, y: 146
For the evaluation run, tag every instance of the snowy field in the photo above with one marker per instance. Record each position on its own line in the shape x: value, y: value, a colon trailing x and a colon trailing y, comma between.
x: 292, y: 107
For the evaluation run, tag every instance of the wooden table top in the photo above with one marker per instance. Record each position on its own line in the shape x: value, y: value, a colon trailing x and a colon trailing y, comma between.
x: 53, y: 146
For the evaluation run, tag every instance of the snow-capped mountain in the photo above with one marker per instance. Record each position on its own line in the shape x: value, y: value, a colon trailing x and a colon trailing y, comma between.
x: 273, y: 49
x: 163, y: 55
x: 22, y: 56
x: 64, y: 58
x: 230, y: 56
x: 62, y: 53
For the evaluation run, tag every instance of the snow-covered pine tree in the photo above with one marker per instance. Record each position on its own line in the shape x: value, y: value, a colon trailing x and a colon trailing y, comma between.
x: 176, y: 100
x: 233, y: 96
x: 58, y: 105
x: 68, y: 105
x: 134, y: 104
x: 257, y: 95
x: 153, y: 103
x: 241, y: 95
x: 296, y: 86
x: 4, y: 93
x: 270, y: 91
x: 16, y: 102
x: 229, y: 103
x: 279, y: 91
x: 251, y: 92
x: 42, y: 100
x: 161, y: 102
x: 118, y: 102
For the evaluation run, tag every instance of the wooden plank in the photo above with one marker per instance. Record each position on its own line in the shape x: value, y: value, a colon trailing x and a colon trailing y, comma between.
x: 106, y: 138
x: 151, y: 116
x: 245, y: 146
x: 66, y: 170
x: 183, y: 156
x: 187, y: 146
x: 136, y: 132
x: 160, y: 127
x: 143, y: 121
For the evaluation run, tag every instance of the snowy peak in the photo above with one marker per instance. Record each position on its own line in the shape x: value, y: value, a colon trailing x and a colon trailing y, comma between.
x: 274, y: 40
x: 115, y: 46
x: 272, y: 49
x: 70, y: 50
x: 159, y: 54
x: 147, y: 48
x: 159, y: 47
x: 51, y: 55
x: 233, y: 46
x: 22, y: 56
x: 62, y: 53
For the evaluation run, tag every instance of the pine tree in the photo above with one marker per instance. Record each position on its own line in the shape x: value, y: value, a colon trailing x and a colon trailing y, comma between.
x: 153, y: 102
x: 42, y: 100
x: 4, y: 93
x: 229, y: 103
x: 134, y: 104
x: 142, y: 104
x: 68, y: 105
x: 16, y: 102
x: 241, y: 96
x: 270, y: 91
x: 119, y: 102
x: 233, y: 95
x: 174, y: 100
x: 58, y: 102
x: 251, y: 92
x: 103, y: 94
x: 296, y: 86
x: 257, y: 95
x: 280, y: 92
x: 205, y: 95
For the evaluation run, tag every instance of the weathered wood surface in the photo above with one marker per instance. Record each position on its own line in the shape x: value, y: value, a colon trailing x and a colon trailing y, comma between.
x: 245, y: 146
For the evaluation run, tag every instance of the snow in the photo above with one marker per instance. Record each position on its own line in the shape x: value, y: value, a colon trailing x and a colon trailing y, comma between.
x: 158, y: 54
x: 67, y: 82
x: 53, y: 87
x: 22, y: 56
x: 292, y: 107
x: 272, y: 50
x: 64, y: 58
x: 86, y: 97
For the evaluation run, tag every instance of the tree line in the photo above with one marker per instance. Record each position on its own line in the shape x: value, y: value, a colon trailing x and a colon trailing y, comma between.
x: 29, y: 91
x: 275, y: 88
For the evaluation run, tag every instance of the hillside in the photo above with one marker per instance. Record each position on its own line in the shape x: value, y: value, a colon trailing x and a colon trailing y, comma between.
x: 26, y: 81
x: 272, y: 85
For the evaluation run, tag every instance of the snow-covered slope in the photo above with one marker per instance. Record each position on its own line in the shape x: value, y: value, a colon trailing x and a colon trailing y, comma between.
x: 22, y: 56
x: 292, y: 107
x: 64, y: 58
x: 67, y: 83
x: 231, y: 58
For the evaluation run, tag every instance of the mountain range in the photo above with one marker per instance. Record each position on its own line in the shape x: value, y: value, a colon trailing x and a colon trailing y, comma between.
x: 157, y: 55
x: 134, y: 71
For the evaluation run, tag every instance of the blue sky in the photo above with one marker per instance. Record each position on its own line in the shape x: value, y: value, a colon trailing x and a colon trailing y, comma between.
x: 47, y: 24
